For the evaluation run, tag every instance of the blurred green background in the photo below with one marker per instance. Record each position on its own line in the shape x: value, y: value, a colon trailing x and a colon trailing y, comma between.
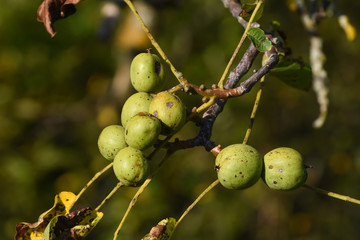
x: 57, y: 94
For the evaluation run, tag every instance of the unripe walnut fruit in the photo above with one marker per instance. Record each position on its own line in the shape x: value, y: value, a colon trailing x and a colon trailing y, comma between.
x: 284, y: 169
x: 111, y: 140
x: 130, y: 166
x: 136, y: 103
x: 238, y: 166
x: 142, y: 131
x: 146, y: 72
x: 169, y: 109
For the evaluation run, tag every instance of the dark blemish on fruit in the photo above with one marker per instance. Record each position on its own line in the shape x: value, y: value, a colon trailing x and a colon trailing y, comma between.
x: 155, y: 114
x: 157, y: 67
x: 169, y: 105
x: 235, y: 176
x: 271, y: 166
x: 126, y: 132
x: 275, y: 182
x: 240, y: 172
x: 177, y: 99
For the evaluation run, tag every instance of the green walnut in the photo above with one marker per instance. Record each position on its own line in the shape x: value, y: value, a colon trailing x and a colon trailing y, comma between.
x: 111, y: 140
x: 169, y: 109
x: 238, y: 166
x: 146, y: 72
x: 284, y: 169
x: 142, y: 131
x: 130, y: 166
x: 136, y: 103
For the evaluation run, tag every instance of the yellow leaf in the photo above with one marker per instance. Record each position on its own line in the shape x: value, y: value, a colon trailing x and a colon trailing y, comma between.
x: 34, y: 231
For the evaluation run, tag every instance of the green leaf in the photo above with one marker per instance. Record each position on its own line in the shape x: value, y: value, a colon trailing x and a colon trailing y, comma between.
x: 293, y: 72
x: 75, y: 225
x: 162, y: 231
x: 34, y: 231
x: 258, y: 38
x: 247, y: 10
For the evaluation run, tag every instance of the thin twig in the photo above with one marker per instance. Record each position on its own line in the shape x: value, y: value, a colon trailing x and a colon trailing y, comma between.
x: 92, y: 180
x: 253, y: 113
x: 138, y: 193
x: 235, y: 8
x: 244, y: 87
x: 237, y: 49
x: 211, y: 186
x: 117, y: 187
x: 176, y: 73
x: 333, y: 195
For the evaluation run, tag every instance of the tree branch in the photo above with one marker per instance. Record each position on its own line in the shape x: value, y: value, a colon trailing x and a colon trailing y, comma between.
x: 204, y: 136
x: 244, y: 86
x: 235, y: 9
x: 209, y: 117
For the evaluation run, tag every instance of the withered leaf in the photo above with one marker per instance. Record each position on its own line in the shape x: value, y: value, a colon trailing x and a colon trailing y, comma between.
x: 73, y: 226
x: 51, y: 10
x: 34, y: 231
x: 162, y: 231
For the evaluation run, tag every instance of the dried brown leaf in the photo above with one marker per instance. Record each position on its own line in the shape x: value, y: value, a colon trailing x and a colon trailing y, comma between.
x: 73, y: 226
x: 52, y: 10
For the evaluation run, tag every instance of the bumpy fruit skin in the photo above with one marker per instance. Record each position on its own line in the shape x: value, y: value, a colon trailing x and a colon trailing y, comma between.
x: 136, y: 103
x: 111, y: 140
x: 146, y: 72
x: 284, y: 169
x: 142, y: 131
x: 169, y: 109
x: 130, y: 166
x: 238, y: 166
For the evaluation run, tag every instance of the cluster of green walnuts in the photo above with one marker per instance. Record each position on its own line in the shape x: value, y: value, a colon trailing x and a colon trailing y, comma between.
x: 145, y: 116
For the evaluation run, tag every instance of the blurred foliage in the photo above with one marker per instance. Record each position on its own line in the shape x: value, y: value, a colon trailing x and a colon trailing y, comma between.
x: 57, y: 94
